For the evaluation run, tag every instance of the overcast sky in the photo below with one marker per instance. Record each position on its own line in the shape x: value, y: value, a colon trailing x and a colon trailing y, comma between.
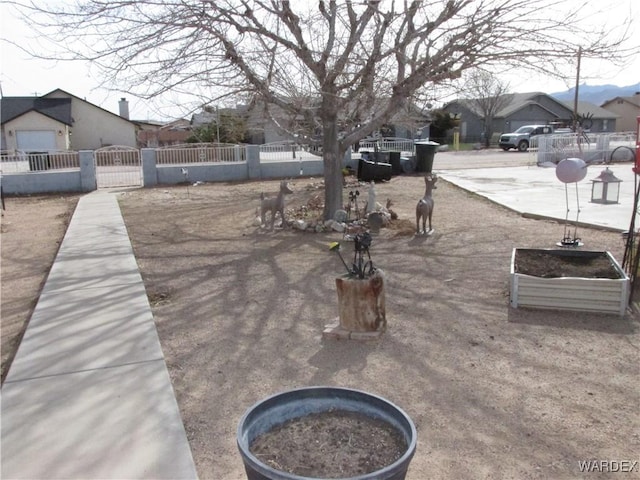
x: 24, y: 76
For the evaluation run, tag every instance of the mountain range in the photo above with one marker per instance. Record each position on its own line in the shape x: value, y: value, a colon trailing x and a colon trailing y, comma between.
x: 597, y: 94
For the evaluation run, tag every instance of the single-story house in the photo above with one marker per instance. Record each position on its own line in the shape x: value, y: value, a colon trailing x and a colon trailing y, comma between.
x: 278, y: 125
x: 61, y: 121
x: 628, y: 111
x: 601, y: 120
x: 158, y: 134
x: 518, y: 109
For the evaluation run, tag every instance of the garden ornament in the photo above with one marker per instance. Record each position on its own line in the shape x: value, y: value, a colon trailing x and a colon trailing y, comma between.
x: 424, y: 209
x: 571, y: 170
x: 274, y: 204
x: 361, y: 267
x: 185, y: 174
x: 335, y: 247
x: 371, y: 204
x: 353, y: 202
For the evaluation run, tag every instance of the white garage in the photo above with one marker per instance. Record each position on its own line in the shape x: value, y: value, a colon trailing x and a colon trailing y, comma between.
x: 36, y: 140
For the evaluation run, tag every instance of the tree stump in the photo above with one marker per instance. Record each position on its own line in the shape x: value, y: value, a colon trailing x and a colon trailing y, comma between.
x: 361, y: 307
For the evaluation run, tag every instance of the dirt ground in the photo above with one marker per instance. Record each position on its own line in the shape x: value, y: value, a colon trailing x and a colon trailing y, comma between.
x: 494, y: 392
x: 32, y: 230
x: 345, y: 444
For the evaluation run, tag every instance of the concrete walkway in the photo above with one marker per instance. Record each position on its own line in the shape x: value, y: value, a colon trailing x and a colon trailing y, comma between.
x: 536, y: 192
x: 88, y: 395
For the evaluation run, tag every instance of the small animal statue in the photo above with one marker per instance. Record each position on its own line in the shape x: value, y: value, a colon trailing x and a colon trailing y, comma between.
x: 394, y: 215
x: 274, y: 204
x: 424, y: 209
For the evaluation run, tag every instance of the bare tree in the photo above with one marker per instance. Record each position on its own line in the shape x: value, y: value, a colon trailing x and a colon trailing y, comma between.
x: 318, y: 60
x: 486, y: 95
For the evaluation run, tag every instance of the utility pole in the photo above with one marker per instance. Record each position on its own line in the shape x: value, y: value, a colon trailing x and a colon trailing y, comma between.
x: 575, y: 97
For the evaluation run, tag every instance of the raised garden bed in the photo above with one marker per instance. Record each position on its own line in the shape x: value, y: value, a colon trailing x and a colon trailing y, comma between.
x: 588, y: 281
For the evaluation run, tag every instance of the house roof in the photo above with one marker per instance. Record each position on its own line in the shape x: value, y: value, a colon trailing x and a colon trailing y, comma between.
x: 516, y: 101
x: 592, y: 109
x: 71, y: 95
x: 633, y: 100
x: 513, y: 103
x: 56, y: 108
x: 519, y: 100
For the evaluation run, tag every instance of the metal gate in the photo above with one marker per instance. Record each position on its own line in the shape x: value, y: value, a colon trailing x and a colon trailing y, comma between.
x: 118, y: 166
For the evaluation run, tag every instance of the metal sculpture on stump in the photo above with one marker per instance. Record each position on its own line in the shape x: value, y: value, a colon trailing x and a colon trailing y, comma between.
x: 361, y: 267
x: 361, y: 301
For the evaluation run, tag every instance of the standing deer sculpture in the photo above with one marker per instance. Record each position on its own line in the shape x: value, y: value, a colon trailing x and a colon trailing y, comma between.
x: 424, y: 209
x: 274, y: 204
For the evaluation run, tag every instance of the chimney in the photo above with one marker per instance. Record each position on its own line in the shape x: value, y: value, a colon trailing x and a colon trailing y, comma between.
x: 124, y: 108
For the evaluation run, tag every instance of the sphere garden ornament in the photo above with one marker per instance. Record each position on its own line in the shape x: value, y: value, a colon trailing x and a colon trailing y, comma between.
x: 571, y: 170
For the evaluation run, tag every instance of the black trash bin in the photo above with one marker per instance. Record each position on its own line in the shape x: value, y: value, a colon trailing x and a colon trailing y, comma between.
x: 381, y: 156
x: 425, y: 151
x: 394, y: 160
x: 373, y: 171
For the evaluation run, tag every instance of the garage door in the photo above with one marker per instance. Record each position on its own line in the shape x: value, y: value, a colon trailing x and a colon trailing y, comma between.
x: 36, y: 140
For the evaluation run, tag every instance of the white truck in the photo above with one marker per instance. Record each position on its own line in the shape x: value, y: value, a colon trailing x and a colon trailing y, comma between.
x: 520, y: 139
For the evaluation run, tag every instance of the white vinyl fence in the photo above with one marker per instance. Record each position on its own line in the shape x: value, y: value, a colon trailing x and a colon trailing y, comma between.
x: 288, y: 151
x: 200, y: 153
x: 592, y: 147
x: 17, y: 162
x: 389, y: 144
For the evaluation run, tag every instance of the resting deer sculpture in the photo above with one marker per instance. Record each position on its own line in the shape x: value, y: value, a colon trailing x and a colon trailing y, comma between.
x: 274, y: 204
x: 424, y: 209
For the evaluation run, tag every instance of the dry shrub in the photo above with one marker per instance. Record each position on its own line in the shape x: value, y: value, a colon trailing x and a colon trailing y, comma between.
x: 402, y: 227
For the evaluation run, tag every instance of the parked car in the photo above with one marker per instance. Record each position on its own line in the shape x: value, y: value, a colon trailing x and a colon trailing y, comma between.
x: 520, y: 139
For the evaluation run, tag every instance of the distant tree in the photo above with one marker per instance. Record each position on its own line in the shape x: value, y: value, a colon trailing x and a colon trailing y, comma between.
x: 486, y: 95
x: 228, y: 128
x: 319, y: 61
x: 441, y: 124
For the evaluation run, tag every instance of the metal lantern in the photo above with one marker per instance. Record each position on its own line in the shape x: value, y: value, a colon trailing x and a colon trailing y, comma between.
x: 605, y: 188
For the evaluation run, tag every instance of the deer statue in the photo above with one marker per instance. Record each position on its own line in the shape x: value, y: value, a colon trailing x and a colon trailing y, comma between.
x: 274, y: 204
x: 424, y: 209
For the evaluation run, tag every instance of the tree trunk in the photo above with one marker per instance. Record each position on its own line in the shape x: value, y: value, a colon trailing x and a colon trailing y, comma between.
x: 361, y: 303
x: 332, y: 159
